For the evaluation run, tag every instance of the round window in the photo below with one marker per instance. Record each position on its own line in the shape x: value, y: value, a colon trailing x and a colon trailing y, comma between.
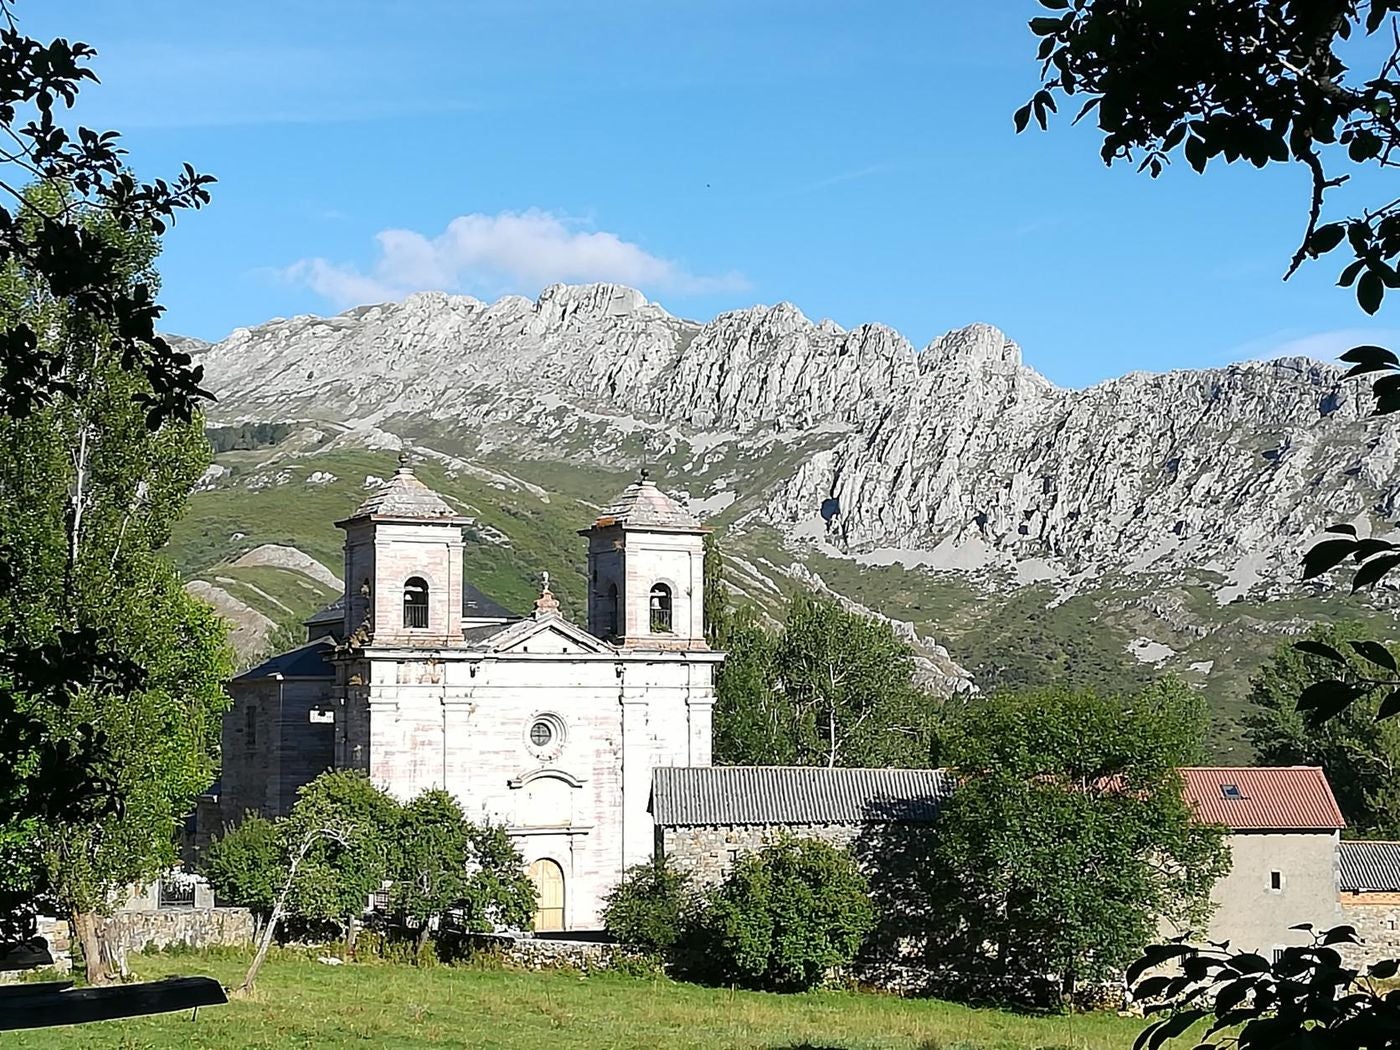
x: 541, y: 733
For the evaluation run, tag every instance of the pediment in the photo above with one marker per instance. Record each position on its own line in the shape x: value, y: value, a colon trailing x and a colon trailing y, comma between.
x: 550, y: 635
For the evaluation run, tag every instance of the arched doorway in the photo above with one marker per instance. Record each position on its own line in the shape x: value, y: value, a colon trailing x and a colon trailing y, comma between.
x: 548, y: 878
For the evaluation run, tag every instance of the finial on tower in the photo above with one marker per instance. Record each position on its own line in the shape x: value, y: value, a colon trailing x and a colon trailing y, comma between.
x: 546, y: 603
x: 405, y: 461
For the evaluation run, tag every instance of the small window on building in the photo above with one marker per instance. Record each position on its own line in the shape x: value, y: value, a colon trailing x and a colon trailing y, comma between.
x: 661, y: 609
x: 541, y: 733
x: 415, y: 603
x: 1231, y: 791
x: 1275, y: 880
x: 250, y: 726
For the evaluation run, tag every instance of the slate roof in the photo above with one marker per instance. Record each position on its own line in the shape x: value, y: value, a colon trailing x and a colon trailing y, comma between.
x: 404, y: 496
x: 718, y: 795
x: 1369, y: 867
x: 477, y: 606
x: 642, y: 504
x: 332, y: 613
x: 1263, y: 798
x: 305, y: 661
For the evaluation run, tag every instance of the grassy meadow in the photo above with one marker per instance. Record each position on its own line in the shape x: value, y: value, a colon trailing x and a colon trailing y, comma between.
x: 302, y: 1003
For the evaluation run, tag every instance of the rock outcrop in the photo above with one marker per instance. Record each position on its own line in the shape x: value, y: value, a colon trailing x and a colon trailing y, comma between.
x: 957, y: 455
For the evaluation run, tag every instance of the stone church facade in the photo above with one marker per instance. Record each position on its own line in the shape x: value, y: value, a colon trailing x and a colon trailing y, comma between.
x: 550, y: 728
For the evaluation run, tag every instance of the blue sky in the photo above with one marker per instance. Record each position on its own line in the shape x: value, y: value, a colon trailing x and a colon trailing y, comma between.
x: 856, y: 159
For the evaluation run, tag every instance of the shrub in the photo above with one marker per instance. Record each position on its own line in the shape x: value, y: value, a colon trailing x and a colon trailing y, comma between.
x: 786, y: 916
x: 245, y: 866
x: 651, y: 907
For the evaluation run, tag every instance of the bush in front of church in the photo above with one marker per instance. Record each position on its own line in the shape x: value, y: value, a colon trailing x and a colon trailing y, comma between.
x: 243, y: 866
x: 786, y: 917
x: 653, y: 907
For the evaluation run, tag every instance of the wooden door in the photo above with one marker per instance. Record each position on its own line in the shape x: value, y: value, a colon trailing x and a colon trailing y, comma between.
x: 548, y: 878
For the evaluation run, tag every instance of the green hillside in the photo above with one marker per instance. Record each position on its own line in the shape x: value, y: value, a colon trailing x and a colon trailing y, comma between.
x: 1116, y: 636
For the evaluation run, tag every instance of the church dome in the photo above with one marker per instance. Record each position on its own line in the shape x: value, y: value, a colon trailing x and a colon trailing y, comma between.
x: 404, y: 496
x: 643, y: 505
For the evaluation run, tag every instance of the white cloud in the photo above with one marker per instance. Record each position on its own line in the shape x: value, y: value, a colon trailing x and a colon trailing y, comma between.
x: 1321, y: 346
x: 506, y: 252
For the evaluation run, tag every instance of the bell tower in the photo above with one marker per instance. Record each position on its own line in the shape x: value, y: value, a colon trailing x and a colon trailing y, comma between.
x: 646, y: 571
x: 403, y: 567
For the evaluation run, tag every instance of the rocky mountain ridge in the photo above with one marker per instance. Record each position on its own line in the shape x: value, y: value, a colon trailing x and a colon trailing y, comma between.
x: 954, y: 457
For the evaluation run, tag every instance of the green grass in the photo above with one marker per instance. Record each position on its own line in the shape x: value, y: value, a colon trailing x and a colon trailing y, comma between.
x: 302, y: 1003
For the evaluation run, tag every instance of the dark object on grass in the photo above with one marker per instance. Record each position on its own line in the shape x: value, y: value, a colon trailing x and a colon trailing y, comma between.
x: 25, y: 955
x: 59, y: 1003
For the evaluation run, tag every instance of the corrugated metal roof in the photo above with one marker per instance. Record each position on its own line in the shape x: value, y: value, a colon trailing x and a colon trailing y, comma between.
x: 1258, y: 798
x: 1372, y: 867
x: 707, y: 795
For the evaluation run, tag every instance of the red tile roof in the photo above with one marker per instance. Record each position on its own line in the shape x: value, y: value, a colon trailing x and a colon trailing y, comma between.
x: 1257, y: 798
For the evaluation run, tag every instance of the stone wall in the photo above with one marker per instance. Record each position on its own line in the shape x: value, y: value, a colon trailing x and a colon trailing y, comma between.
x: 1376, y: 917
x: 133, y: 930
x: 707, y: 853
x: 548, y: 953
x: 191, y: 927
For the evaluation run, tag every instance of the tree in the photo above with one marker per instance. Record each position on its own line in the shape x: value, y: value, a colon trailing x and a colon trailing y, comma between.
x: 754, y: 724
x: 430, y: 863
x: 653, y: 907
x: 304, y: 839
x: 1304, y: 996
x: 499, y: 894
x: 1065, y: 843
x: 55, y: 770
x: 786, y: 916
x: 850, y: 682
x: 245, y: 865
x: 340, y: 873
x: 1359, y: 754
x: 716, y: 610
x: 1259, y: 81
x: 88, y: 494
x: 834, y: 688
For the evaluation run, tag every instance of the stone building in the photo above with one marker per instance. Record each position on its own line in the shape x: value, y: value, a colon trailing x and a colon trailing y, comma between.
x: 706, y: 818
x: 1284, y: 829
x: 548, y: 727
x: 1368, y: 881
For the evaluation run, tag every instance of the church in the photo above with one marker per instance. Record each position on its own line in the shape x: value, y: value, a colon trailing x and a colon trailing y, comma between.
x: 550, y: 728
x: 591, y: 744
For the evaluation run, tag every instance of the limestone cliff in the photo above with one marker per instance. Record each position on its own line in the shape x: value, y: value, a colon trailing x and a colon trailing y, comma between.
x: 955, y: 456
